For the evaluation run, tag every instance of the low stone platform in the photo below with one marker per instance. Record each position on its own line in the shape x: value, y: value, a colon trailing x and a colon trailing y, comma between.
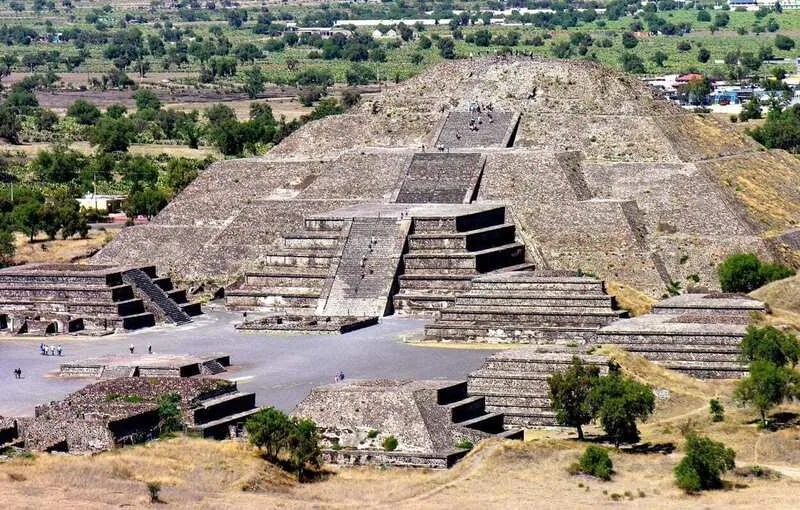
x: 698, y: 334
x: 427, y: 418
x: 121, y: 411
x: 514, y: 382
x: 146, y: 365
x: 305, y: 324
x: 45, y: 299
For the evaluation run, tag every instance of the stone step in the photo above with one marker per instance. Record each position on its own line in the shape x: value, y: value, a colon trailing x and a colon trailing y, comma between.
x: 466, y: 409
x: 165, y: 282
x: 191, y: 309
x: 498, y: 298
x: 670, y: 338
x: 481, y: 261
x: 516, y: 434
x: 544, y: 366
x: 219, y: 428
x: 551, y: 286
x: 269, y: 302
x: 421, y: 283
x: 222, y: 406
x: 324, y: 224
x: 300, y: 258
x: 473, y: 240
x: 532, y: 419
x: 459, y: 331
x: 139, y: 320
x: 509, y: 411
x: 490, y: 216
x: 495, y: 399
x: 528, y: 316
x: 706, y: 369
x: 428, y: 305
x: 312, y: 240
x: 491, y: 423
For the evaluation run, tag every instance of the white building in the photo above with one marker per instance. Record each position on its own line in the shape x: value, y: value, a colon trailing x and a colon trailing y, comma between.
x: 107, y: 203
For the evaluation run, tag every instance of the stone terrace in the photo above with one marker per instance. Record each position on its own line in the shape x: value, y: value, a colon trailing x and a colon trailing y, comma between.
x: 428, y: 419
x: 526, y: 307
x: 514, y: 382
x: 698, y: 334
x: 146, y: 365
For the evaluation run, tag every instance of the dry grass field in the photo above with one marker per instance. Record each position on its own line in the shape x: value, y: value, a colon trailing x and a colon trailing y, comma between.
x: 202, y: 474
x: 59, y: 250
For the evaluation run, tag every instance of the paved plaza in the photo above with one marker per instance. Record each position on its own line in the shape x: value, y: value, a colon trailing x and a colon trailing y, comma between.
x: 282, y: 370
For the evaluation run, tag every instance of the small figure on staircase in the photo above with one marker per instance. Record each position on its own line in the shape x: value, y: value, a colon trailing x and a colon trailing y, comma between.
x: 149, y: 349
x: 131, y: 348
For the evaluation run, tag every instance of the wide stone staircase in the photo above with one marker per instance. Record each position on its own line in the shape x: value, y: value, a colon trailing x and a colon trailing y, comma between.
x: 291, y: 280
x: 496, y: 129
x: 444, y: 255
x: 367, y: 269
x: 214, y: 417
x: 526, y: 307
x: 513, y: 383
x: 158, y: 298
x: 443, y: 178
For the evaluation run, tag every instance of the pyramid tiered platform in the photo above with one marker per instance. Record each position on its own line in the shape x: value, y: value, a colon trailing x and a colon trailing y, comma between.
x: 527, y: 307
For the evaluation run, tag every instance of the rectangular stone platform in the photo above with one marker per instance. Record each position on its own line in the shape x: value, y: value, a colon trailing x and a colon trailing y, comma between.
x: 146, y: 365
x: 303, y: 325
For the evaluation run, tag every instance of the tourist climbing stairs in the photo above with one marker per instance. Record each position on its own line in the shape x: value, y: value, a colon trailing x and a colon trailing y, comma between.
x: 156, y: 295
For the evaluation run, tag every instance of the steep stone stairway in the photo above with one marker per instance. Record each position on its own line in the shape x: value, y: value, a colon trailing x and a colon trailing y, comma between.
x: 442, y: 178
x: 444, y: 256
x: 526, y: 307
x: 291, y: 280
x: 161, y: 300
x: 214, y: 416
x: 513, y: 383
x: 470, y: 411
x: 367, y: 269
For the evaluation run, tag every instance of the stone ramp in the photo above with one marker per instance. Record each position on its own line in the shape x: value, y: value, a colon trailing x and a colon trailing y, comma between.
x: 146, y: 365
x: 445, y: 178
x: 697, y: 334
x: 526, y: 307
x: 514, y: 382
x: 495, y: 129
x: 367, y: 269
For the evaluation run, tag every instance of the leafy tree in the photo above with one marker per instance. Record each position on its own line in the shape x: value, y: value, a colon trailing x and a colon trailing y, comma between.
x: 770, y: 344
x: 595, y: 462
x: 27, y: 219
x: 247, y: 52
x: 632, y: 63
x: 84, y: 112
x: 180, y: 172
x: 569, y: 392
x: 783, y: 42
x: 618, y: 402
x: 781, y: 130
x: 659, y: 58
x: 767, y: 386
x: 170, y: 418
x: 326, y: 107
x: 447, y: 48
x: 254, y: 82
x: 424, y: 42
x: 703, y: 15
x: 10, y: 124
x: 360, y: 74
x: 146, y: 100
x: 629, y: 41
x: 744, y: 272
x: 113, y: 135
x: 116, y: 111
x: 60, y: 165
x: 269, y: 429
x: 7, y: 247
x: 147, y: 202
x: 751, y: 110
x: 304, y: 445
x: 704, y: 463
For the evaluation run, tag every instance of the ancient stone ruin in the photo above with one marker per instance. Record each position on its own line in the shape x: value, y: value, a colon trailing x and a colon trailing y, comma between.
x: 42, y: 299
x: 146, y: 365
x: 122, y: 411
x: 430, y: 421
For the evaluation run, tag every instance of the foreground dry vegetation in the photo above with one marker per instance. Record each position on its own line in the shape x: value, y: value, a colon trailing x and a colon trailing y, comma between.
x: 204, y: 474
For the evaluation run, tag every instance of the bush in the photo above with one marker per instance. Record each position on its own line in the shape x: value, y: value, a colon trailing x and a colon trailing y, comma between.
x: 465, y: 445
x: 618, y: 402
x: 717, y: 410
x: 154, y: 490
x: 170, y: 418
x: 704, y: 463
x: 269, y: 429
x: 595, y: 462
x: 372, y: 434
x: 390, y: 444
x: 770, y: 344
x: 744, y: 273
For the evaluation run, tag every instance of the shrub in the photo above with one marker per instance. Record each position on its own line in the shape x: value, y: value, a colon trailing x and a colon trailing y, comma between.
x: 744, y: 272
x: 771, y: 345
x: 390, y: 444
x: 170, y: 418
x: 704, y: 463
x: 595, y: 462
x: 465, y: 445
x: 154, y: 490
x: 717, y: 410
x: 372, y: 434
x: 269, y: 429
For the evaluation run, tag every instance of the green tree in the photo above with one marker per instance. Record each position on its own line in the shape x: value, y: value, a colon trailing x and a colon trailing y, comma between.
x: 716, y: 409
x: 254, y: 82
x: 632, y: 63
x: 629, y: 41
x: 704, y: 463
x: 147, y: 202
x: 304, y: 446
x: 618, y: 402
x: 744, y: 272
x: 447, y: 48
x: 783, y: 42
x: 7, y: 248
x: 767, y: 386
x: 84, y: 112
x: 269, y: 429
x: 326, y: 107
x: 703, y: 55
x: 170, y: 418
x: 596, y: 462
x: 61, y: 165
x: 569, y: 394
x: 146, y: 100
x: 659, y: 58
x: 113, y: 135
x: 751, y: 110
x: 27, y: 218
x: 10, y: 124
x: 770, y: 344
x: 781, y: 130
x: 360, y: 74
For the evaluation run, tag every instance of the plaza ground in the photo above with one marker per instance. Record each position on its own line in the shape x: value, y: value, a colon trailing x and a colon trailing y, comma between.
x: 281, y: 370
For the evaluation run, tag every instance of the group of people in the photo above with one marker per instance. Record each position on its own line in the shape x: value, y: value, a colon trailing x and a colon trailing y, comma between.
x: 149, y: 348
x: 50, y: 350
x: 17, y: 373
x: 339, y: 377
